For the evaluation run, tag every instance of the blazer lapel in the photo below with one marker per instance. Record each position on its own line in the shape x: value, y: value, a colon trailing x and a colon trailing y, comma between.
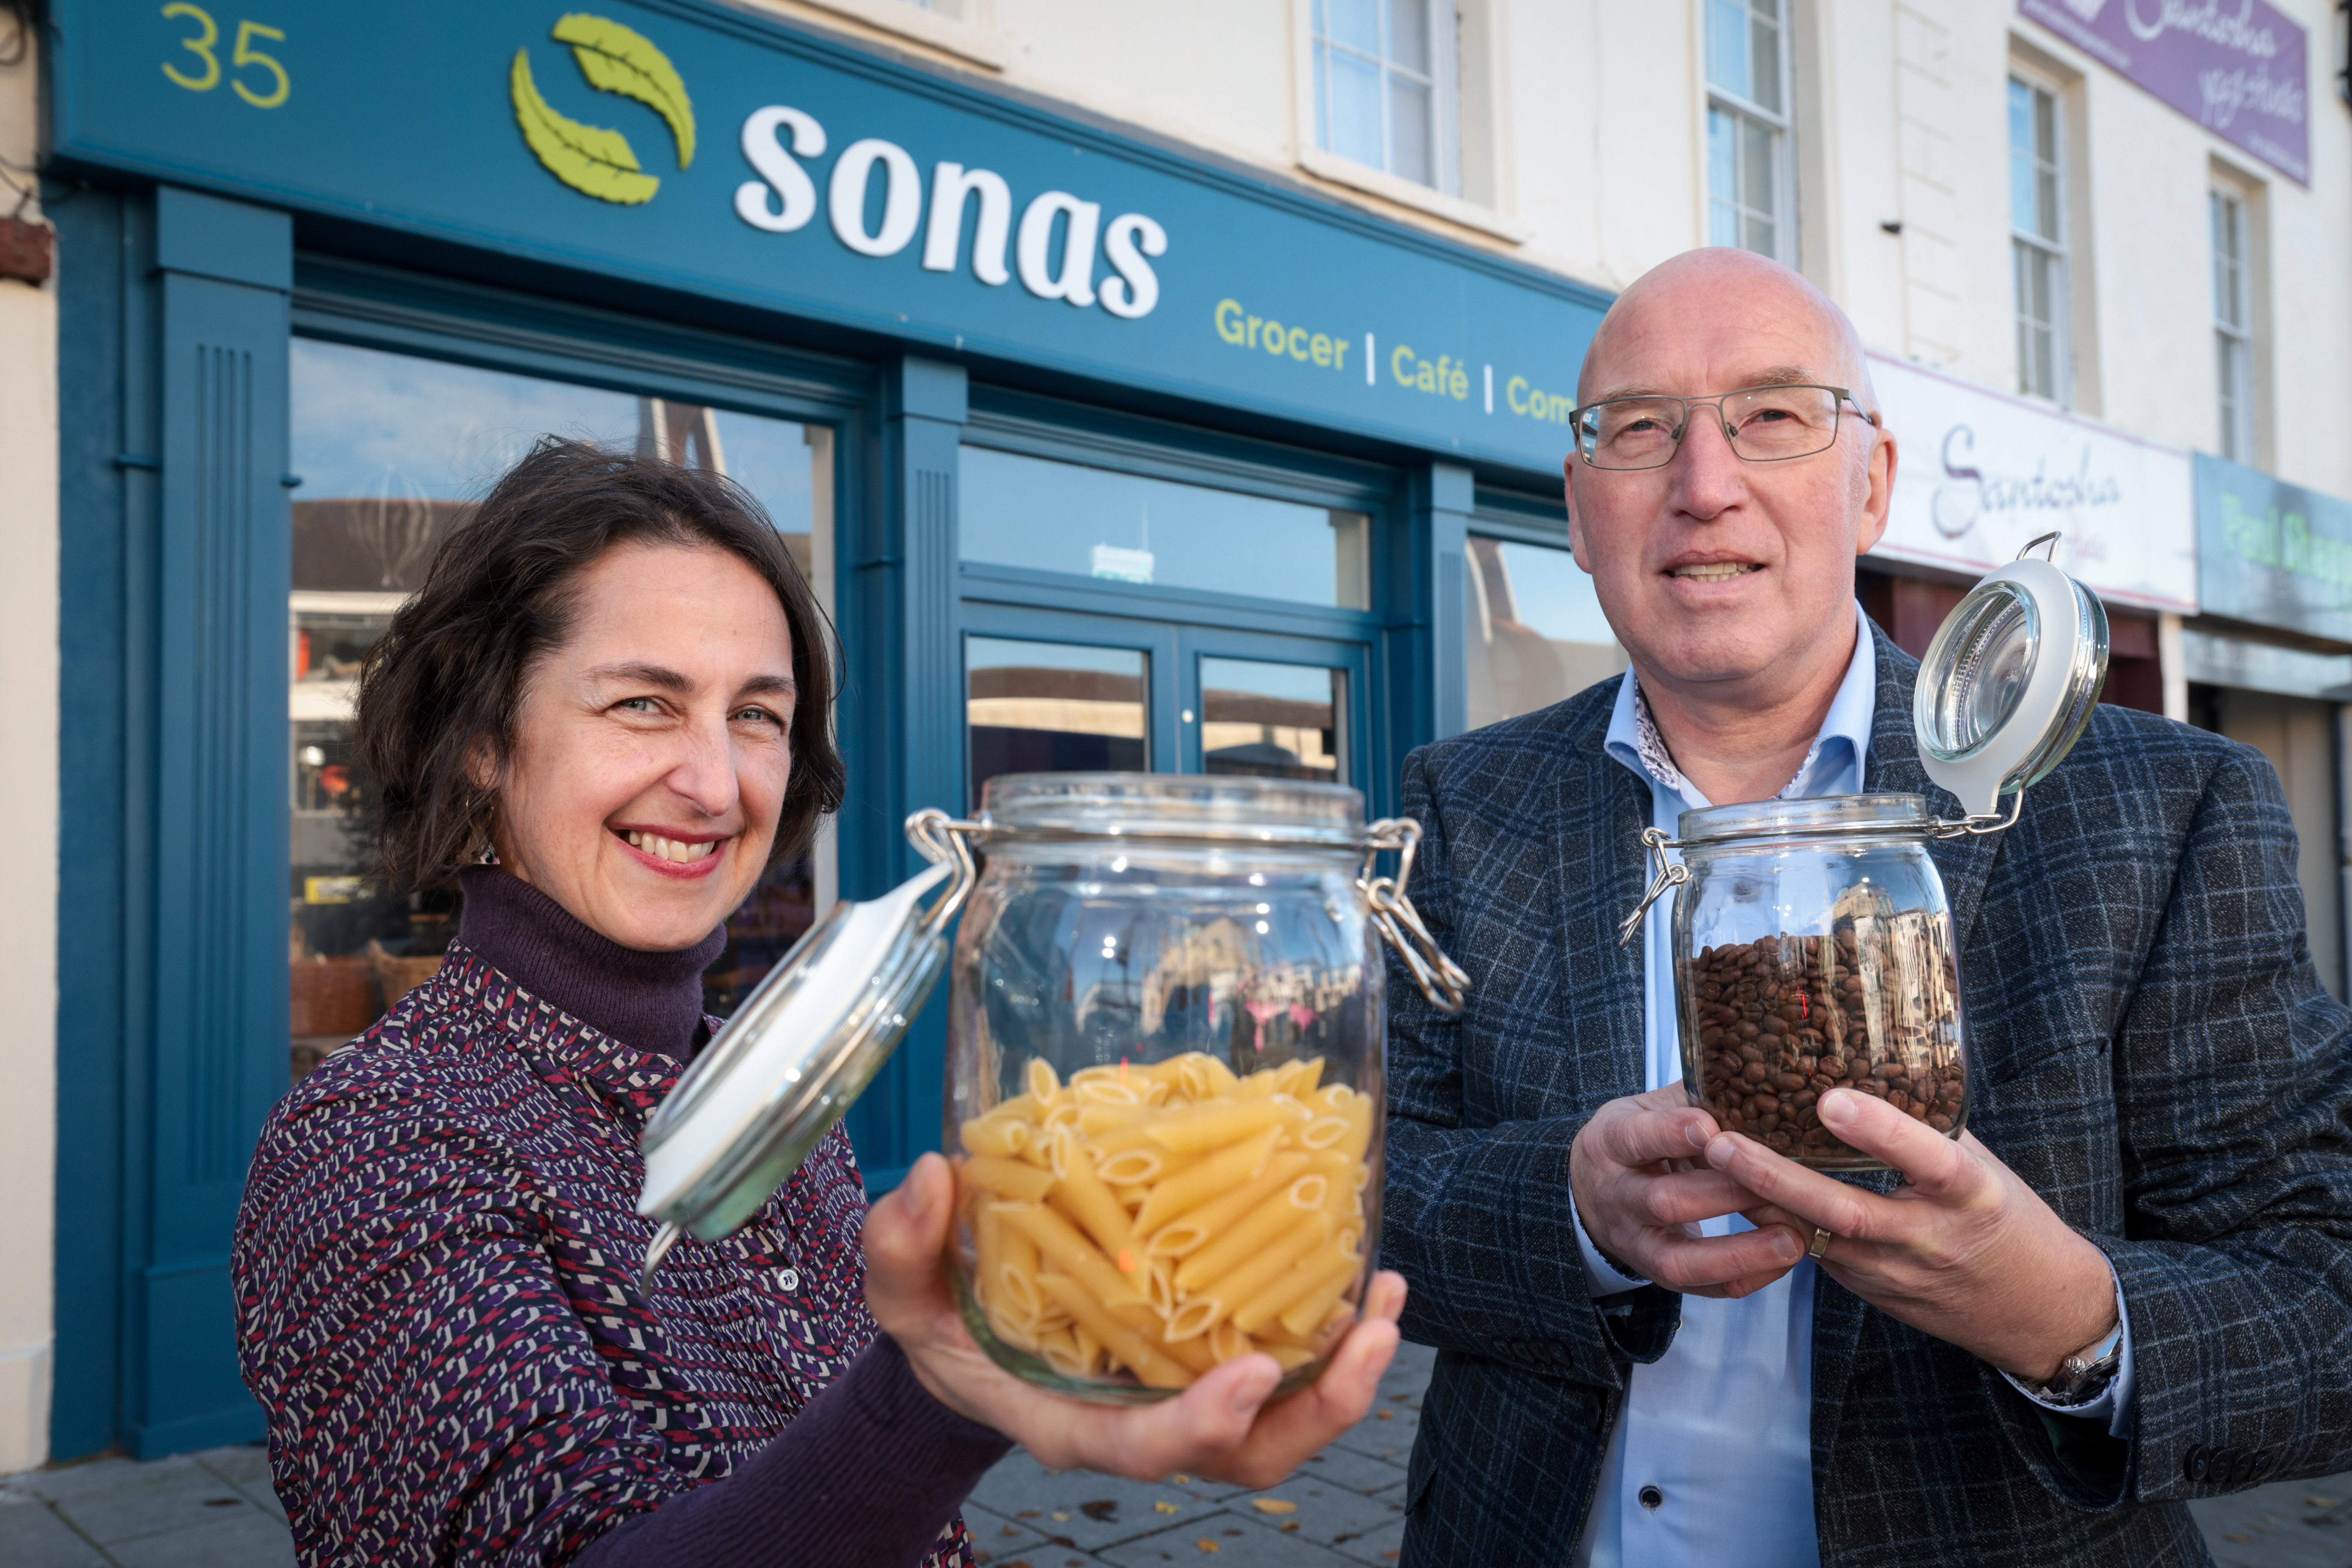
x: 1598, y: 874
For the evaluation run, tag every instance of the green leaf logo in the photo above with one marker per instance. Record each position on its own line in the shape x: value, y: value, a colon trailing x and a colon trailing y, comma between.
x: 591, y: 160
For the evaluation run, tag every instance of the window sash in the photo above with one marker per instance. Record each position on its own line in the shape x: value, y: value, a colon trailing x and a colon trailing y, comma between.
x: 1749, y: 180
x: 1411, y: 102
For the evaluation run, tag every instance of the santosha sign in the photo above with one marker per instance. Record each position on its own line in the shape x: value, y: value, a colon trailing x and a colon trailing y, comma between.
x: 1980, y: 473
x: 2239, y: 67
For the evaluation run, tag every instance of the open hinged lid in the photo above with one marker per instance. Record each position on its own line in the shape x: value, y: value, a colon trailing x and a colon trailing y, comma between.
x: 803, y: 1046
x: 2009, y: 681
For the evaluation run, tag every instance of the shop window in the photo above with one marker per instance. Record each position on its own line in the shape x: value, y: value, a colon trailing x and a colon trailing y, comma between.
x: 1018, y: 511
x: 1385, y: 91
x: 1051, y: 708
x: 392, y: 452
x: 1748, y: 201
x: 1536, y: 632
x: 2038, y: 240
x: 1272, y: 720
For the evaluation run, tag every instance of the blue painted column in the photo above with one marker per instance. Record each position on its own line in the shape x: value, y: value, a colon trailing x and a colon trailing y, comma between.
x: 1424, y: 598
x: 903, y: 714
x: 212, y: 1057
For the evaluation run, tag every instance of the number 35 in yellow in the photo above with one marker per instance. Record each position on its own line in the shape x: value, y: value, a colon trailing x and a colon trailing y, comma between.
x: 242, y: 55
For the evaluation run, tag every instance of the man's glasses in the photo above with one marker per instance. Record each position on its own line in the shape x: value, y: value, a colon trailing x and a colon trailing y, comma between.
x: 1763, y: 424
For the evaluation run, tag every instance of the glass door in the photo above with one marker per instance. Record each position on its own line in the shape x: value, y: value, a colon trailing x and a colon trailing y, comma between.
x: 392, y: 451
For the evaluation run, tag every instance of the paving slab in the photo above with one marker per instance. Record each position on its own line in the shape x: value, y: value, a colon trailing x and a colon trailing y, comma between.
x: 999, y: 1542
x: 1326, y: 1514
x: 32, y: 1536
x: 245, y: 1538
x: 1222, y: 1541
x: 1358, y: 1473
x: 115, y: 1501
x: 2284, y: 1524
x: 1080, y: 1509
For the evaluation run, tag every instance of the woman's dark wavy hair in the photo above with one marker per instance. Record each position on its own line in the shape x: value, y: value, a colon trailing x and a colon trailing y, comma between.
x: 445, y: 683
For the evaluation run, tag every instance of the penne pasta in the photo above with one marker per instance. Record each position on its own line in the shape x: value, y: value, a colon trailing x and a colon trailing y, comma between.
x: 1061, y: 1245
x: 1010, y: 1178
x: 1144, y: 1223
x: 1083, y: 1198
x: 1154, y: 1368
x: 1332, y: 1263
x: 1003, y: 1136
x: 1214, y: 1125
x: 1276, y: 1216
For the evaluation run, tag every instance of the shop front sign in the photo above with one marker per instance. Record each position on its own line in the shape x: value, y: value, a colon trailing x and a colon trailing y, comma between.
x: 691, y: 146
x: 2239, y: 67
x: 2272, y: 553
x: 1980, y: 473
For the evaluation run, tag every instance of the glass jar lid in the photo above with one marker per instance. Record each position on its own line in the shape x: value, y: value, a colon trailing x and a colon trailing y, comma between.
x: 2009, y: 681
x: 1823, y: 816
x: 771, y: 1083
x: 1227, y: 808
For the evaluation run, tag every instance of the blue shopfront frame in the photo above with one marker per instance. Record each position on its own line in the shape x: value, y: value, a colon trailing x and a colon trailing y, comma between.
x: 195, y: 254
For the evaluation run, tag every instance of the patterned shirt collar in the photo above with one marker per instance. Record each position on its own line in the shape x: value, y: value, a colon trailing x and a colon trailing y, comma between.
x: 1837, y: 751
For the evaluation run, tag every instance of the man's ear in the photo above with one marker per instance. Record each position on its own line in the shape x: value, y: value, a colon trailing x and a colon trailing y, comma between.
x: 1878, y: 502
x: 1575, y: 523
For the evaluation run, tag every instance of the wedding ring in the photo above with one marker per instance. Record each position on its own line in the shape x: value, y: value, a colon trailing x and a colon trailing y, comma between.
x: 1822, y: 1236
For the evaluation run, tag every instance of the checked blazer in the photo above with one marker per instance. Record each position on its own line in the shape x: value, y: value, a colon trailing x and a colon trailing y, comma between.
x: 2148, y: 1048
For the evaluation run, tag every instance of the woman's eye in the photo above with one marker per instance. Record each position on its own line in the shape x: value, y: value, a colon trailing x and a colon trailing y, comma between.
x: 757, y: 716
x: 640, y: 704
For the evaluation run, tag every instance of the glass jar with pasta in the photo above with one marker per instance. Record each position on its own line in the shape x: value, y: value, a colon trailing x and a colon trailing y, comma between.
x: 1163, y: 1094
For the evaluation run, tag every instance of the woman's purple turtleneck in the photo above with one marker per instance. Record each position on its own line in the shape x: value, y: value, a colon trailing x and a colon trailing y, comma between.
x: 874, y: 1468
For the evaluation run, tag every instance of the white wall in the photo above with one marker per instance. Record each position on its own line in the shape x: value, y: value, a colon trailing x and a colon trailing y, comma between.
x: 28, y: 803
x: 1598, y: 111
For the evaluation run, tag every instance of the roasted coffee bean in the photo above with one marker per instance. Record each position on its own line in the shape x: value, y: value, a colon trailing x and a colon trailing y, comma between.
x: 1774, y: 1024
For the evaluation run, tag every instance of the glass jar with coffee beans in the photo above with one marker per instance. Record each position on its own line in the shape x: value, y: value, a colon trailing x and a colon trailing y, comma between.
x: 1814, y: 950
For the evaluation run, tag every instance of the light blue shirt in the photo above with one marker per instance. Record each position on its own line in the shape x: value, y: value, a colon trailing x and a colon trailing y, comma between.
x: 1721, y: 1426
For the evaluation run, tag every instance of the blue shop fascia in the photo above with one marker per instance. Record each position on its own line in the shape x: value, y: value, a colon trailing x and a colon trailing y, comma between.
x: 1100, y: 451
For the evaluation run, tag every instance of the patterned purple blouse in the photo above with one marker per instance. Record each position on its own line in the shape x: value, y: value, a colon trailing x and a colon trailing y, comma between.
x: 436, y: 1269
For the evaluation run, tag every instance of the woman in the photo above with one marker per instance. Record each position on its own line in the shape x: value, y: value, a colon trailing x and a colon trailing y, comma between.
x: 606, y: 714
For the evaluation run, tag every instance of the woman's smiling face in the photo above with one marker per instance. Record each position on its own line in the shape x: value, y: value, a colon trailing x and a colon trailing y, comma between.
x: 652, y: 747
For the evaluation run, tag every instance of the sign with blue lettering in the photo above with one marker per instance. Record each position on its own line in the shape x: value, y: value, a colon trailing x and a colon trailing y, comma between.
x: 2271, y: 552
x: 694, y: 147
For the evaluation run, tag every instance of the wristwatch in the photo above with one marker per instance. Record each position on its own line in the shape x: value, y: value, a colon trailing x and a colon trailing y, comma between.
x: 2082, y: 1377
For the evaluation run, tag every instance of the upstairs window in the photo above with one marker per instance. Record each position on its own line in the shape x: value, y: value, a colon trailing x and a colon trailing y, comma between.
x: 1748, y: 183
x: 2233, y: 332
x: 2038, y: 240
x: 1384, y: 91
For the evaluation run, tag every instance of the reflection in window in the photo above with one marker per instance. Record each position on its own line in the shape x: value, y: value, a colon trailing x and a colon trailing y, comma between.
x: 1013, y: 510
x: 1054, y: 707
x: 1271, y: 720
x: 1535, y: 631
x: 393, y: 452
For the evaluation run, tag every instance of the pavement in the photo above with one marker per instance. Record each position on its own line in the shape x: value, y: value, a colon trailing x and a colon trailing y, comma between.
x: 1343, y: 1509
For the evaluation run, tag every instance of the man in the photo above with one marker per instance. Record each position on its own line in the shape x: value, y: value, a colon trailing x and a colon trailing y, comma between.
x: 2128, y: 1284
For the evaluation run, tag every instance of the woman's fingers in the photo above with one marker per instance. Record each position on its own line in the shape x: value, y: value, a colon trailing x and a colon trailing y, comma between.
x: 905, y: 1237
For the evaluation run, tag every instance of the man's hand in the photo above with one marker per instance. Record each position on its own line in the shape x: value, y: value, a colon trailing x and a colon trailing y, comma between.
x: 1642, y: 1188
x: 1966, y: 1252
x: 1220, y: 1427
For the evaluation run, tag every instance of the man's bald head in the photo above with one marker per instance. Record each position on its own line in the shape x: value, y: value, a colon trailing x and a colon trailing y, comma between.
x: 1724, y: 293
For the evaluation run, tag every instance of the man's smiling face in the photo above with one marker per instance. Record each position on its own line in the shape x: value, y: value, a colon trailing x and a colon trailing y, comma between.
x: 1717, y: 573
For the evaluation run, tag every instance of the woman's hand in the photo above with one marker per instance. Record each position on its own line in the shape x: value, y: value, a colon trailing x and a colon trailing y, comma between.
x: 1220, y: 1427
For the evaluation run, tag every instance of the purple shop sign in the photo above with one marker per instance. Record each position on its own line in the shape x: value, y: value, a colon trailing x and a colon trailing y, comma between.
x: 2238, y: 68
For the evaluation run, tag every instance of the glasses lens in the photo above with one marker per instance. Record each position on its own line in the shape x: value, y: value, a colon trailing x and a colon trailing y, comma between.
x: 1992, y: 636
x: 1630, y: 432
x: 1775, y: 422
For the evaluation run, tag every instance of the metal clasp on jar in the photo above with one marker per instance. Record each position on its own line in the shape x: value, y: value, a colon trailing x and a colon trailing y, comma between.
x: 1400, y: 923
